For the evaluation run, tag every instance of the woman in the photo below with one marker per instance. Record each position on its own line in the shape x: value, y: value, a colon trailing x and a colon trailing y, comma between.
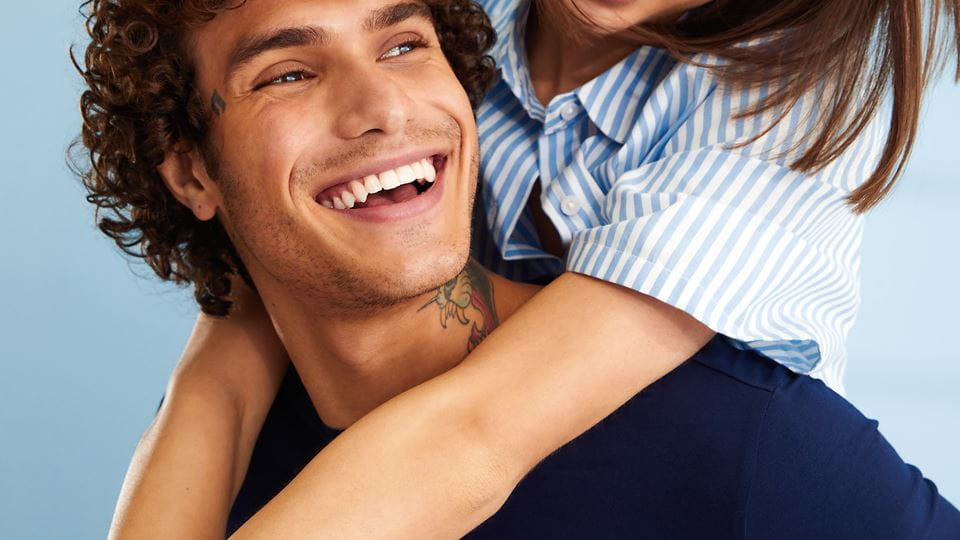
x: 782, y: 190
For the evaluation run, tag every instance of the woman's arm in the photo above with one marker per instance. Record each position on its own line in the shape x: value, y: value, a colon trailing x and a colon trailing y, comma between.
x: 190, y: 463
x: 435, y: 461
x: 442, y: 457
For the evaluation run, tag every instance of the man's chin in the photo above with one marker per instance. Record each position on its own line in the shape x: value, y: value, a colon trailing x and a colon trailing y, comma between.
x: 414, y: 282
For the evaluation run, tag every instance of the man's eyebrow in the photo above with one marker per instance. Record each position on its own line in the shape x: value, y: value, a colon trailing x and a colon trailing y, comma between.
x: 388, y: 16
x: 253, y: 46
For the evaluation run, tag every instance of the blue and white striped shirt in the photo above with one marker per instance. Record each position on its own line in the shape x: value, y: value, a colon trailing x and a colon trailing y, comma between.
x: 640, y: 175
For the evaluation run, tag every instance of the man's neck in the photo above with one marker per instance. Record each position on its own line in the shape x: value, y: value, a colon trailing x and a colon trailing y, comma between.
x: 351, y: 365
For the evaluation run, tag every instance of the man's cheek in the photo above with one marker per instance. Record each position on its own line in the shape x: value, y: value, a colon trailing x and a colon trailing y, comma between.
x: 271, y: 152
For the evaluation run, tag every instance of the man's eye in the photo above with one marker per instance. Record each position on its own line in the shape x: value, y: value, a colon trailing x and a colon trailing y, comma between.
x: 289, y: 77
x: 403, y: 48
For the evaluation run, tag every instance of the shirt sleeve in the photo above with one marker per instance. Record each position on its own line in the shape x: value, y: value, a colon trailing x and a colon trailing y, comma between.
x: 732, y: 235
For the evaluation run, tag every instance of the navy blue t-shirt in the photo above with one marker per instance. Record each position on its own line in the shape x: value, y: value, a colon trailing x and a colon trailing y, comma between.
x: 728, y: 445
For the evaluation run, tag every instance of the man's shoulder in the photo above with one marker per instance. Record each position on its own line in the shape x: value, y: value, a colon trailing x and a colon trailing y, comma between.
x: 818, y: 455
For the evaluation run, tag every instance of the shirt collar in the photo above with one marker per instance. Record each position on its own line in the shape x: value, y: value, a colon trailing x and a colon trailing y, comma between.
x: 511, y: 54
x: 613, y: 100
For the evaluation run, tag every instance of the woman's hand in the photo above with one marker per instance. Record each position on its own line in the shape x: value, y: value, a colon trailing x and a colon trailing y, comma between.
x: 190, y: 463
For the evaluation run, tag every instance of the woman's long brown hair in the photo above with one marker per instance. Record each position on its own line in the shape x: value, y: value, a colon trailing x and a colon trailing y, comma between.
x: 857, y: 51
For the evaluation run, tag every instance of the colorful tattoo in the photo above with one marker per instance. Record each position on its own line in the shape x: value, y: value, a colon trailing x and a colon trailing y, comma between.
x: 217, y: 103
x: 468, y: 299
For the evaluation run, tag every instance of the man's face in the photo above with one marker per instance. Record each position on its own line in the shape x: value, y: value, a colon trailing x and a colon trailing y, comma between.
x: 320, y: 104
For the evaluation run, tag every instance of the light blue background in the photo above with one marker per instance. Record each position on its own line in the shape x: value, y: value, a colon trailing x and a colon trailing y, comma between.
x: 87, y: 346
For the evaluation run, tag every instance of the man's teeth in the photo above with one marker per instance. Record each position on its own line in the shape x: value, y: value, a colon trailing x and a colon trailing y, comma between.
x: 358, y: 190
x: 371, y: 185
x: 390, y: 179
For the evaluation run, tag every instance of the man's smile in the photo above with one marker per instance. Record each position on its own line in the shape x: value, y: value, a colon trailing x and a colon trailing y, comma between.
x: 394, y: 193
x: 387, y: 187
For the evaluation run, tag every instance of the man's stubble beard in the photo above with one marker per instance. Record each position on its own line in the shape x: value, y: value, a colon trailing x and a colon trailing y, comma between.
x: 337, y: 287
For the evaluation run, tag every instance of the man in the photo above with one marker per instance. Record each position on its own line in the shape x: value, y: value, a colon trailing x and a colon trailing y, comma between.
x: 336, y: 146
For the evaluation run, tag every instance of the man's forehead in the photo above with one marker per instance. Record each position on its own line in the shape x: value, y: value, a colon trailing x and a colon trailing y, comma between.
x: 256, y: 26
x: 258, y: 16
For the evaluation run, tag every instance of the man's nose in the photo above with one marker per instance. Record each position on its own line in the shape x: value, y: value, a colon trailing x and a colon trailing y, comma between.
x: 371, y: 100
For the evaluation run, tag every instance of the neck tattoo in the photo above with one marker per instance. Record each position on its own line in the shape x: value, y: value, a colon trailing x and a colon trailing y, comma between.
x: 468, y: 300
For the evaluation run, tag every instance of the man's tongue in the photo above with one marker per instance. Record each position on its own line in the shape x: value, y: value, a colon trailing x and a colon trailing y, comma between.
x: 395, y: 195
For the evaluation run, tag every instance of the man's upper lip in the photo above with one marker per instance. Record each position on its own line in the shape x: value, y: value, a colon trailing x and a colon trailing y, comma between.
x: 377, y: 166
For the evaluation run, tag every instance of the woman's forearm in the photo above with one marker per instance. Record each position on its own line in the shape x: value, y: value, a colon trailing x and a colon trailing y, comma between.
x: 183, y: 476
x: 415, y: 467
x: 441, y: 458
x: 192, y: 460
x: 570, y: 357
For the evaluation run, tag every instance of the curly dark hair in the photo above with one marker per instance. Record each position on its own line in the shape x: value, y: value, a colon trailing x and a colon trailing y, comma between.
x: 141, y: 102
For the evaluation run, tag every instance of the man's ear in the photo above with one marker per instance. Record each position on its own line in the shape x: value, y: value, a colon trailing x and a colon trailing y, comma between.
x: 185, y: 176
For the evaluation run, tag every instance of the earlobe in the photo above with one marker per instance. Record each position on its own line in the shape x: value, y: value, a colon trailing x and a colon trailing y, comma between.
x: 193, y: 189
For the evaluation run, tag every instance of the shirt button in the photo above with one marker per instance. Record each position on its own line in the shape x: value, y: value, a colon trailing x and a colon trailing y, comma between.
x: 569, y: 111
x: 570, y: 205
